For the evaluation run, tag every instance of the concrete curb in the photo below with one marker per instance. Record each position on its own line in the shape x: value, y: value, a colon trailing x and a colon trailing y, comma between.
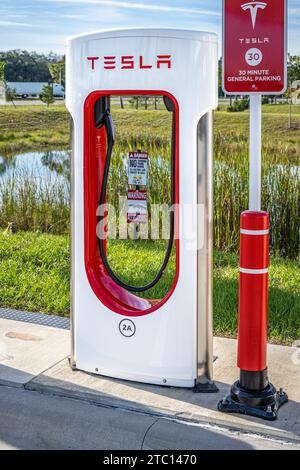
x: 247, y: 428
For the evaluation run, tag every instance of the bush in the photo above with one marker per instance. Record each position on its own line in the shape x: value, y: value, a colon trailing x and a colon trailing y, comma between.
x: 238, y: 106
x: 47, y: 95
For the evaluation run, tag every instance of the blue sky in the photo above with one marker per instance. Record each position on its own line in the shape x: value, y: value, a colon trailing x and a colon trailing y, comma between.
x: 43, y: 25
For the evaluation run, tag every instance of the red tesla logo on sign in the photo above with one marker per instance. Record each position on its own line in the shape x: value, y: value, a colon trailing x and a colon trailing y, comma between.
x: 254, y: 46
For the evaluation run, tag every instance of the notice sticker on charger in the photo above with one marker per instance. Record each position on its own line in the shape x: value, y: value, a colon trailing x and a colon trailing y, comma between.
x: 137, y: 206
x: 138, y: 168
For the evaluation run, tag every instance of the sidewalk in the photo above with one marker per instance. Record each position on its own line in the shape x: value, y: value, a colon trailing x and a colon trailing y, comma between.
x: 33, y: 356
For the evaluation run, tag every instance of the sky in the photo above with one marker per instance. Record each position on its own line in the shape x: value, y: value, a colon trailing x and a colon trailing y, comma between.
x: 44, y: 25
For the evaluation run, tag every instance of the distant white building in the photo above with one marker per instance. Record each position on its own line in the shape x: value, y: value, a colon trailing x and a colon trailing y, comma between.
x: 34, y: 89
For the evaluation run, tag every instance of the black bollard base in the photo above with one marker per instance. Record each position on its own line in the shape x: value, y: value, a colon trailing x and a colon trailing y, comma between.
x: 260, y: 403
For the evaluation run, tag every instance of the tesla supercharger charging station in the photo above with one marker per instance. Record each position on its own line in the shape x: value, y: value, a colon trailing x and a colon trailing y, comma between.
x: 115, y: 332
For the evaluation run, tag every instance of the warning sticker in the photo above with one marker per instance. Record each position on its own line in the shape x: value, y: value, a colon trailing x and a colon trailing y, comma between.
x: 137, y: 206
x: 138, y: 168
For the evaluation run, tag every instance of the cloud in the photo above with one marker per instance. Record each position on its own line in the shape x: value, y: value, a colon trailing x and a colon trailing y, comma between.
x: 143, y: 6
x: 13, y: 23
x: 101, y: 16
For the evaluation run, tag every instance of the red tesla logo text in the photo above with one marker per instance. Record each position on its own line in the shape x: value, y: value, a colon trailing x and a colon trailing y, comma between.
x: 126, y: 62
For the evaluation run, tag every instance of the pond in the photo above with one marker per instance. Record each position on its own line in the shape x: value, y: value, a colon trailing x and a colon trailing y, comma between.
x: 54, y: 166
x: 35, y: 194
x: 42, y: 165
x: 52, y: 169
x: 56, y: 163
x: 49, y: 171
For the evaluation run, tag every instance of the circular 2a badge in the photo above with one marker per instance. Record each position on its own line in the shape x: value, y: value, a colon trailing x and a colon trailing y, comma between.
x: 127, y: 328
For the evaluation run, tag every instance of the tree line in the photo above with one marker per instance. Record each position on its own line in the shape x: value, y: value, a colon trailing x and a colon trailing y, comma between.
x: 25, y: 66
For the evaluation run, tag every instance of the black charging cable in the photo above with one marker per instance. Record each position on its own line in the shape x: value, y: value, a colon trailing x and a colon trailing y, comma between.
x: 107, y: 121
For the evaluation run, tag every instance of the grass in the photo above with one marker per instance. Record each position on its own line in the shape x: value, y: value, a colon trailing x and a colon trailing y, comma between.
x: 33, y: 127
x: 36, y: 127
x: 284, y: 297
x: 27, y: 207
x: 148, y: 255
x: 34, y: 272
x: 232, y: 129
x: 31, y: 203
x: 281, y: 109
x: 35, y: 276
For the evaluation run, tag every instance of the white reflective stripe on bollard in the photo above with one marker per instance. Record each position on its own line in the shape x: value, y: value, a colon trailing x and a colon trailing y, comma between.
x: 244, y: 231
x: 254, y: 271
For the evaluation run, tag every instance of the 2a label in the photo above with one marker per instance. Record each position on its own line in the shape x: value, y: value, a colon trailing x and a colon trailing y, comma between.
x: 127, y: 328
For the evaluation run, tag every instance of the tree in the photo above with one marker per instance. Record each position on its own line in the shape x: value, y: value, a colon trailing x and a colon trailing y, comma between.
x: 2, y: 80
x: 24, y: 66
x: 47, y: 95
x: 2, y: 69
x: 293, y: 68
x: 293, y: 75
x: 134, y: 102
x: 10, y: 95
x: 146, y: 99
x: 220, y: 89
x: 57, y: 72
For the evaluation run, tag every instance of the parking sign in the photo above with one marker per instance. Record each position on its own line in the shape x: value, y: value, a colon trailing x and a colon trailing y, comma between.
x: 254, y: 47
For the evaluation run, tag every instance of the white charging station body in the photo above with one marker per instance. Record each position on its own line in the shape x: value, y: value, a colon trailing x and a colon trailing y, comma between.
x: 171, y: 345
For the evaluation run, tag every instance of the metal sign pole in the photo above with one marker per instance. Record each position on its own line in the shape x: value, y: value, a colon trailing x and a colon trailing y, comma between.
x: 255, y: 153
x: 254, y: 70
x: 253, y: 394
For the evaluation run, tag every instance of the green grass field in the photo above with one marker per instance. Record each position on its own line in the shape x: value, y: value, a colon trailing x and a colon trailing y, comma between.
x: 35, y: 276
x: 37, y: 127
x: 33, y: 127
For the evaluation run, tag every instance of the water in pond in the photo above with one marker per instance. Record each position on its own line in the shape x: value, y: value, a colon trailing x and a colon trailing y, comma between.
x: 56, y: 163
x: 51, y: 169
x: 35, y: 193
x: 44, y: 165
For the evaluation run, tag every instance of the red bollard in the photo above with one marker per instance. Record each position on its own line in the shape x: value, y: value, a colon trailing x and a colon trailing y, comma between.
x: 253, y: 298
x: 253, y: 394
